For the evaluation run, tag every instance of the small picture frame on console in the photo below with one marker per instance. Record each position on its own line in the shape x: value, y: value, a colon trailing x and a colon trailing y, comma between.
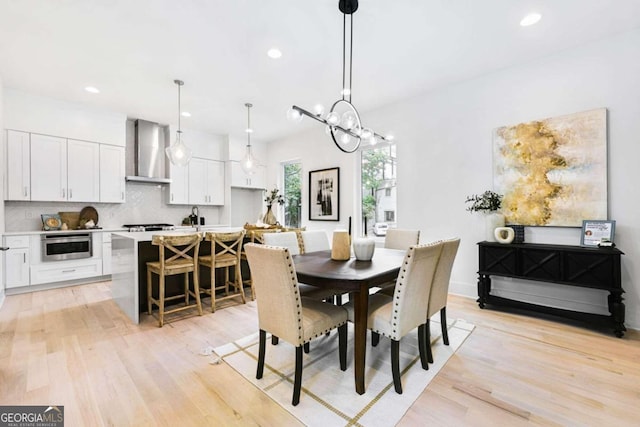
x: 597, y: 233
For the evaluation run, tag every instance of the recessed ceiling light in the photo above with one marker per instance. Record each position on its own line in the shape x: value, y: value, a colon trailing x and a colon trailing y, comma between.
x: 530, y: 19
x: 92, y: 89
x: 185, y: 114
x: 248, y: 130
x: 274, y: 53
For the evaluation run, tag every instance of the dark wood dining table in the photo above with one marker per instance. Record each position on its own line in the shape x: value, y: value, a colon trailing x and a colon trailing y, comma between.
x: 356, y: 278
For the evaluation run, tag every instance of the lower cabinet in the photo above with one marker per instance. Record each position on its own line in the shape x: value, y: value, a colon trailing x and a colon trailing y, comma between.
x: 16, y: 261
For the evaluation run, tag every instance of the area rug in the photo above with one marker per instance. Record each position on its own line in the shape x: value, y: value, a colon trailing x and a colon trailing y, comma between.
x: 328, y: 395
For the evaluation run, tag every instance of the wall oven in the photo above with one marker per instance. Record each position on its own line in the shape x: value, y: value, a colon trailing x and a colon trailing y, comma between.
x: 60, y: 247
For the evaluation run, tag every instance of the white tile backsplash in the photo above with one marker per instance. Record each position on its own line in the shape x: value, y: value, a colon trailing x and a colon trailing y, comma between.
x: 145, y: 204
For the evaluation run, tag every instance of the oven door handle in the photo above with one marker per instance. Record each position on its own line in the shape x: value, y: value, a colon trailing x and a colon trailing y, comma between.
x: 66, y: 239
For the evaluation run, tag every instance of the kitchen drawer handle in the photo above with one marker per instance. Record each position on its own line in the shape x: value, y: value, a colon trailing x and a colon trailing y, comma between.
x: 4, y: 248
x: 69, y: 271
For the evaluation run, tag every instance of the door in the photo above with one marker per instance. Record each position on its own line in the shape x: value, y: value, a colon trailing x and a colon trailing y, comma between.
x: 112, y: 172
x: 18, y: 166
x: 83, y: 173
x: 48, y: 168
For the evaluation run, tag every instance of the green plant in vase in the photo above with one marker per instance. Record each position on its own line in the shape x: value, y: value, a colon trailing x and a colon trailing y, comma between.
x: 488, y: 203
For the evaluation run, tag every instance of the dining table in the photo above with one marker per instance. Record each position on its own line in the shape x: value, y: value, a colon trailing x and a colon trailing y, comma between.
x: 356, y: 278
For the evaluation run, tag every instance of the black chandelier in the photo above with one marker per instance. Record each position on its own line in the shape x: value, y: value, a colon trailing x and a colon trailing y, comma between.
x: 343, y: 121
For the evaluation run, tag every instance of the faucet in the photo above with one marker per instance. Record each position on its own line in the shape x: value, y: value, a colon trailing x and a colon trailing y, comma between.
x: 194, y: 218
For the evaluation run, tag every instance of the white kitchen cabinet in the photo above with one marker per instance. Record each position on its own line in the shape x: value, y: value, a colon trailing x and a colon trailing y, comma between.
x: 83, y: 171
x: 64, y: 170
x: 16, y: 261
x: 239, y: 179
x: 18, y: 166
x: 112, y: 173
x: 48, y: 168
x: 206, y: 182
x: 178, y: 190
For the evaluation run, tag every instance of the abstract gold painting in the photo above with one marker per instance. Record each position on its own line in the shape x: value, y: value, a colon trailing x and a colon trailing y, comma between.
x: 553, y: 172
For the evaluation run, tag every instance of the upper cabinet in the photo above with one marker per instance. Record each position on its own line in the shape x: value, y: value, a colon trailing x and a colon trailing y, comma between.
x: 64, y: 170
x: 112, y: 172
x: 18, y: 170
x: 179, y: 187
x: 239, y: 179
x: 55, y: 169
x: 206, y: 182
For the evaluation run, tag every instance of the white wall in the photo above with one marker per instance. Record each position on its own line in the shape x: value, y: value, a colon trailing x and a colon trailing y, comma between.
x: 38, y: 114
x: 445, y: 154
x: 316, y: 151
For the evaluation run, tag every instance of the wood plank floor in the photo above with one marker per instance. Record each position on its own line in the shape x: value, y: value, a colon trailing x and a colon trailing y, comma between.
x: 74, y: 347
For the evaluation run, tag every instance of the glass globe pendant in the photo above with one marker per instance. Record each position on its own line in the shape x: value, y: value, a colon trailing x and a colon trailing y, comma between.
x: 249, y: 162
x: 178, y: 152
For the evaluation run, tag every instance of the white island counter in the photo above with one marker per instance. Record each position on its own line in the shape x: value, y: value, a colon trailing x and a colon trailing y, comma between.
x: 129, y: 254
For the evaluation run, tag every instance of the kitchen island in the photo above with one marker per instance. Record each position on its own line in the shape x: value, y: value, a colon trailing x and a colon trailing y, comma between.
x: 130, y: 251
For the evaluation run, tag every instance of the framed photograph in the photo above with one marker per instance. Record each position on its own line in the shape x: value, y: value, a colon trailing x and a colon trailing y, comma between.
x: 324, y: 195
x: 51, y: 222
x: 597, y: 233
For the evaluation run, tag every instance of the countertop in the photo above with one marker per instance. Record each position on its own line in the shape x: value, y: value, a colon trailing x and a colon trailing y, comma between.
x: 146, y: 236
x: 91, y: 230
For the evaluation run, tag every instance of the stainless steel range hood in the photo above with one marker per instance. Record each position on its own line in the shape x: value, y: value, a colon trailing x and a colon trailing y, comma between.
x: 147, y: 159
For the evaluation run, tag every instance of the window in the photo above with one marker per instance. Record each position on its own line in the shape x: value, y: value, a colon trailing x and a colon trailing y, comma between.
x: 378, y: 177
x: 292, y: 172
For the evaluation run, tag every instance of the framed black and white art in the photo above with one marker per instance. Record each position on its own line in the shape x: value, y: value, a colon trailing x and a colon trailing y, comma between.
x: 324, y: 195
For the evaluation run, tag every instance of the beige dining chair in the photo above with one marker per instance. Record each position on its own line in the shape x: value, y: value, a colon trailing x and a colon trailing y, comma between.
x: 394, y: 317
x: 315, y: 240
x: 289, y: 240
x: 440, y: 290
x: 225, y: 253
x: 283, y: 312
x: 398, y: 238
x: 174, y: 258
x: 254, y: 236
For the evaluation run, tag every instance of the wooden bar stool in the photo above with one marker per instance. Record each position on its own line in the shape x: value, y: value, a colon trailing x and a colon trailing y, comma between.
x: 225, y: 253
x: 178, y: 262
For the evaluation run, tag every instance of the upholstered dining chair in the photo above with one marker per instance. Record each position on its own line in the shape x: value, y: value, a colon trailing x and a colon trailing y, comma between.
x: 398, y: 238
x: 174, y: 258
x: 283, y: 312
x: 315, y: 240
x: 225, y: 253
x: 255, y: 236
x: 289, y: 240
x: 394, y: 317
x: 440, y: 290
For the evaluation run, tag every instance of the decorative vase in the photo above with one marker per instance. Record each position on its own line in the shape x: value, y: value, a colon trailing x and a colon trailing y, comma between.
x: 504, y: 235
x: 363, y: 248
x: 341, y: 247
x: 269, y: 217
x: 492, y: 220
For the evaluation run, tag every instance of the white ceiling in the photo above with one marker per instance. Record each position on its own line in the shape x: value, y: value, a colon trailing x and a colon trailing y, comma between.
x: 132, y: 50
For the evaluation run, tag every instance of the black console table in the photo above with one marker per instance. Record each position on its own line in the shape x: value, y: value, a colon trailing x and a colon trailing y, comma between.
x: 596, y: 268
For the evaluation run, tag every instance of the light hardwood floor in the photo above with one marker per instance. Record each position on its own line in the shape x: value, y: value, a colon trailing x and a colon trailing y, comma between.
x: 74, y: 347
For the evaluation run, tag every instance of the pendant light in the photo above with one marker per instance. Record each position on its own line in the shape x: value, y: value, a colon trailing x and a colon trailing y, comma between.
x: 178, y: 153
x: 249, y: 162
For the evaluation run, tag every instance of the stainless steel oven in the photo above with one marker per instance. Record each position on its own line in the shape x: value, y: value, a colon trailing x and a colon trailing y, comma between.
x: 59, y: 247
